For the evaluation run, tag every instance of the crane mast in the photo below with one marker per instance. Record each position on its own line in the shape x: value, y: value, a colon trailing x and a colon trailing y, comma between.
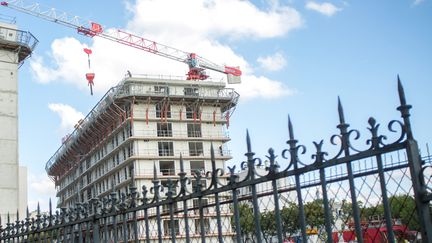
x: 197, y: 64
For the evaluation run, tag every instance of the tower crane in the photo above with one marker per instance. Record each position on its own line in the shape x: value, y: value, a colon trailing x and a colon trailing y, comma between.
x: 197, y: 64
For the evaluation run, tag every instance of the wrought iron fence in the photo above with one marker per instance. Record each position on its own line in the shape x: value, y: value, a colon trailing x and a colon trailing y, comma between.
x: 380, y: 193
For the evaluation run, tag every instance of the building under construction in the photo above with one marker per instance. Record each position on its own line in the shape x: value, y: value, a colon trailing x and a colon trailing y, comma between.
x: 142, y: 124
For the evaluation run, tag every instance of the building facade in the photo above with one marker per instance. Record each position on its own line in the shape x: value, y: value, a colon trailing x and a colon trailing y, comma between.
x: 141, y: 125
x: 15, y: 47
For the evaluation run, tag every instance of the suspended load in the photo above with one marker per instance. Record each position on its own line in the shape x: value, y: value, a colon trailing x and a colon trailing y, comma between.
x: 90, y: 75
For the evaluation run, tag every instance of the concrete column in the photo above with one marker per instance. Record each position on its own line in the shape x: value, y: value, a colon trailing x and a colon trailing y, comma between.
x: 15, y: 46
x: 8, y: 133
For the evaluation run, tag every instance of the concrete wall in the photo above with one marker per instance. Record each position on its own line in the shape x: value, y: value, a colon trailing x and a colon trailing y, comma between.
x: 13, y: 179
x: 8, y: 134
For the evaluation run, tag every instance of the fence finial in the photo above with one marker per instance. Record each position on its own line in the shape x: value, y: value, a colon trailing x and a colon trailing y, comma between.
x: 38, y: 208
x: 290, y: 129
x: 248, y: 142
x: 404, y: 110
x: 50, y: 212
x: 181, y: 163
x: 249, y: 154
x: 401, y: 92
x: 212, y: 155
x: 154, y: 171
x: 341, y: 112
x: 112, y: 185
x: 17, y: 216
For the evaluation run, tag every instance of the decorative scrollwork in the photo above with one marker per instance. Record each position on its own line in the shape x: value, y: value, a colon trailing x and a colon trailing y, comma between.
x: 144, y: 199
x: 273, y: 168
x: 233, y: 176
x: 400, y: 128
x: 426, y: 173
x: 319, y: 155
x: 286, y: 155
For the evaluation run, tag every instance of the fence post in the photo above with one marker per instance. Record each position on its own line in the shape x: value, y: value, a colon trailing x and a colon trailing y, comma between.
x: 183, y: 183
x: 251, y: 176
x: 415, y: 166
x: 232, y: 180
x: 344, y: 133
x: 375, y: 144
x: 214, y: 186
x: 319, y: 160
x: 95, y: 221
x: 293, y: 150
x: 273, y: 170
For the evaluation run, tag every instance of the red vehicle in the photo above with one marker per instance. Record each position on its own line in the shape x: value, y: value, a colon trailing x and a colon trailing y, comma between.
x: 376, y: 232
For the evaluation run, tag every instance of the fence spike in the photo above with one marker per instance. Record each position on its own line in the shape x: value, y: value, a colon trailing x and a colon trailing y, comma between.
x: 248, y: 142
x: 181, y: 163
x: 144, y: 194
x: 38, y: 208
x: 341, y: 112
x: 17, y: 215
x: 212, y: 155
x: 404, y: 110
x: 28, y: 213
x: 50, y: 207
x: 154, y: 171
x: 401, y: 92
x: 290, y: 129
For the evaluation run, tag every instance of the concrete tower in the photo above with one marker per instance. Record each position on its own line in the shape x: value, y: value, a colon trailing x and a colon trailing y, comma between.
x: 15, y: 47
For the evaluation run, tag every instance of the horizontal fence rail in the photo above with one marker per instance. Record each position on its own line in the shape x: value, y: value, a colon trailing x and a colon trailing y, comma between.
x: 378, y: 193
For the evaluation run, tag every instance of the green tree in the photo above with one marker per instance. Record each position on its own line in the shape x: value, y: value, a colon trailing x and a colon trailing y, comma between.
x: 247, y: 223
x: 404, y: 207
x: 372, y: 212
x: 314, y: 213
x: 268, y: 225
x: 290, y: 218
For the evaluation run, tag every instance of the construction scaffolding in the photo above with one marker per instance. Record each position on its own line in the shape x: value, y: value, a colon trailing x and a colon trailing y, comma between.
x: 115, y: 111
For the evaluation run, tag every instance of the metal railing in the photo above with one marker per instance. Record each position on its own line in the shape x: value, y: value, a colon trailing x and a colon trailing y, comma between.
x: 18, y: 36
x: 378, y: 193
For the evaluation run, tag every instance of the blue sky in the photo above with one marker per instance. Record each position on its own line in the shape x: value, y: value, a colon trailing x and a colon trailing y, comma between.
x: 297, y: 56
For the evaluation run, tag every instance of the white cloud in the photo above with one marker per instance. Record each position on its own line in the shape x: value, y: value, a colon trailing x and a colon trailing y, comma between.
x: 263, y: 87
x: 68, y: 116
x: 326, y: 8
x: 40, y: 189
x: 417, y: 2
x: 205, y: 32
x: 234, y: 18
x: 41, y: 185
x: 272, y: 63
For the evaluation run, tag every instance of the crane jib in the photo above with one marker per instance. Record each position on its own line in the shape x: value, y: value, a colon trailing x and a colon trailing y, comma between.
x: 92, y: 29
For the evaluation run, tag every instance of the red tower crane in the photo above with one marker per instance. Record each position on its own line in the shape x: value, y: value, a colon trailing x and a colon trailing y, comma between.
x: 197, y: 64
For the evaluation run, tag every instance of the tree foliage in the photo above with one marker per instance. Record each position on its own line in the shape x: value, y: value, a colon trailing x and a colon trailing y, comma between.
x: 314, y: 213
x: 268, y: 225
x: 290, y: 218
x: 247, y: 223
x: 402, y: 207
